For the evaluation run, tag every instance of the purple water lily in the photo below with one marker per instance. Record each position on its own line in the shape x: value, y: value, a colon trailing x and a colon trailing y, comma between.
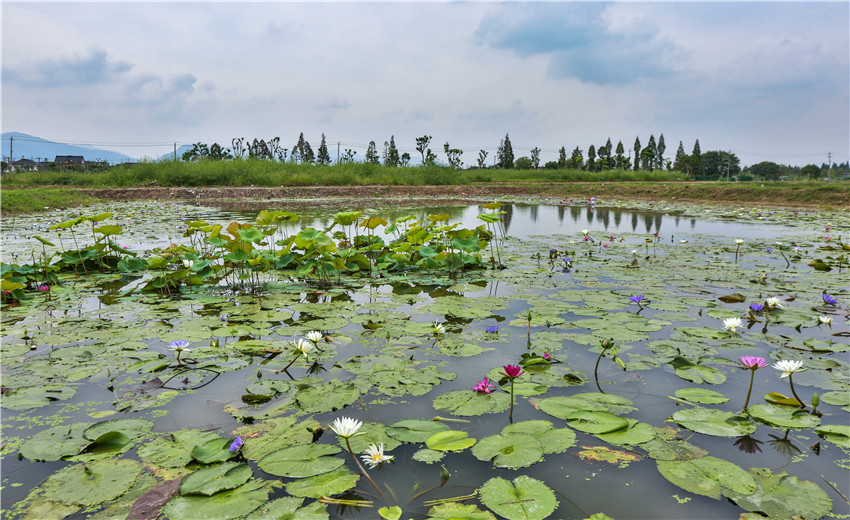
x: 493, y: 328
x: 234, y: 447
x: 829, y: 300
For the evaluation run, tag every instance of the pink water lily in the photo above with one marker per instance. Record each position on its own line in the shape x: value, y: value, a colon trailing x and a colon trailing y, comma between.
x: 753, y: 362
x: 512, y: 371
x: 485, y: 386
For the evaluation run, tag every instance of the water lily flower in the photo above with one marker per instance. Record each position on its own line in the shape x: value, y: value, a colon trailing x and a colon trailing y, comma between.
x: 829, y: 300
x: 825, y: 320
x: 757, y: 307
x: 512, y: 371
x: 547, y: 356
x: 753, y: 362
x: 346, y: 427
x: 772, y: 302
x: 493, y: 328
x: 315, y: 336
x: 375, y: 455
x: 236, y: 445
x: 683, y: 241
x: 768, y: 249
x: 438, y: 328
x: 485, y: 385
x: 637, y: 299
x: 731, y: 324
x: 634, y: 251
x: 303, y: 346
x: 739, y: 241
x: 44, y: 288
x: 788, y: 367
x: 179, y: 345
x: 188, y: 263
x: 584, y: 232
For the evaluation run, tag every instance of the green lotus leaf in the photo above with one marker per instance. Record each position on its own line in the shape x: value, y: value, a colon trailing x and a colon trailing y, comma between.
x: 701, y: 374
x: 523, y: 499
x: 714, y: 422
x: 470, y: 402
x: 41, y: 509
x: 57, y: 442
x: 701, y: 395
x: 457, y: 511
x: 289, y: 508
x: 449, y: 440
x: 633, y: 434
x: 428, y: 456
x: 214, y: 450
x: 275, y: 434
x: 93, y: 483
x: 553, y: 440
x: 132, y: 428
x: 327, y: 397
x: 595, y: 422
x: 708, y: 476
x: 215, y: 478
x: 303, y: 460
x: 783, y: 416
x: 509, y: 450
x: 28, y: 397
x: 224, y: 505
x: 782, y: 496
x: 838, y: 434
x: 107, y: 445
x: 414, y: 430
x: 370, y: 433
x: 331, y: 483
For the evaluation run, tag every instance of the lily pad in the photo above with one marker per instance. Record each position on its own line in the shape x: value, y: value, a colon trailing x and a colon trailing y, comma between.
x: 709, y: 476
x: 595, y: 422
x: 701, y: 395
x: 457, y: 511
x: 783, y: 496
x: 470, y: 402
x: 511, y: 450
x: 220, y: 506
x: 714, y: 422
x: 57, y: 442
x: 523, y: 499
x: 93, y: 483
x: 415, y: 430
x: 331, y: 483
x: 289, y: 508
x: 783, y: 416
x: 215, y: 478
x: 303, y: 460
x: 838, y: 434
x: 450, y: 440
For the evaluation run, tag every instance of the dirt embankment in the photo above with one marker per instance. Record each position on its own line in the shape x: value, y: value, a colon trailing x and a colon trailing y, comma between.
x: 818, y: 196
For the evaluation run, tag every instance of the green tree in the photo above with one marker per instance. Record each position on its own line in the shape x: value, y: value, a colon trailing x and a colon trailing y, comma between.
x: 562, y: 158
x: 372, y: 153
x: 217, y: 153
x: 620, y: 160
x: 453, y: 155
x: 681, y: 163
x: 392, y: 153
x: 551, y: 165
x: 348, y: 155
x: 535, y: 157
x: 766, y: 170
x: 197, y: 152
x: 405, y: 159
x: 482, y: 156
x: 422, y: 145
x: 238, y: 147
x: 637, y: 153
x: 811, y: 171
x: 591, y: 158
x: 661, y: 149
x: 324, y: 157
x: 524, y: 163
x: 718, y: 165
x: 505, y: 153
x: 576, y: 159
x: 649, y: 154
x: 695, y: 160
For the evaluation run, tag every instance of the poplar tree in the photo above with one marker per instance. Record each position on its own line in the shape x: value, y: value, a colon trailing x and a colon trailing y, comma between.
x: 324, y: 157
x: 696, y: 159
x: 591, y: 158
x: 637, y: 153
x: 535, y: 157
x: 392, y: 153
x: 661, y: 148
x: 372, y: 153
x: 681, y: 161
x: 620, y: 152
x: 505, y: 154
x: 649, y: 154
x: 562, y: 158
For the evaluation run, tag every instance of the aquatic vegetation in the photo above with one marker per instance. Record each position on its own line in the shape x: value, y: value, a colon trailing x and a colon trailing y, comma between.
x: 752, y: 363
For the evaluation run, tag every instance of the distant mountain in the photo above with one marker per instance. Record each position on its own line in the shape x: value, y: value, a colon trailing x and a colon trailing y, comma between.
x: 170, y: 155
x: 35, y: 148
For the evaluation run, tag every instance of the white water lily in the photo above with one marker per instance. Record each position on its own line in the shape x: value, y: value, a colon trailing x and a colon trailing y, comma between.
x: 731, y: 324
x: 188, y: 263
x: 826, y: 320
x: 375, y: 455
x: 179, y: 345
x: 438, y: 328
x: 303, y: 346
x: 773, y: 301
x: 584, y: 231
x: 683, y: 241
x: 739, y: 241
x: 315, y: 336
x: 788, y: 367
x: 634, y: 251
x: 346, y: 427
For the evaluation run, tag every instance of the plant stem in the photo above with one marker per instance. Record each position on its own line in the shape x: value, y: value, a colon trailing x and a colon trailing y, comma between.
x: 297, y: 355
x: 511, y: 412
x: 794, y: 392
x: 363, y: 470
x: 750, y: 389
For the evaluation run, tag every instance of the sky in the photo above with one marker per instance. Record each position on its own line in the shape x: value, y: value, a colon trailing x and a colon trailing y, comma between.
x: 765, y: 81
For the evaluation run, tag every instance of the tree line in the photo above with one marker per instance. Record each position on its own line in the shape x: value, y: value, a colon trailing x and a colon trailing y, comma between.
x: 709, y: 165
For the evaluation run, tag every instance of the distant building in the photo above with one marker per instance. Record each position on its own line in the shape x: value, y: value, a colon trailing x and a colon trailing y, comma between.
x: 24, y: 165
x: 64, y: 161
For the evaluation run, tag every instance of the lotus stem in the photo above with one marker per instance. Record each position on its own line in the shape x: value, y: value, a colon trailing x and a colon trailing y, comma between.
x: 750, y: 389
x: 511, y: 412
x: 794, y: 392
x: 298, y: 355
x: 363, y: 470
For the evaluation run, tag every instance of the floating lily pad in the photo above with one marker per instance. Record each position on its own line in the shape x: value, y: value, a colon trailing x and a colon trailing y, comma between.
x: 215, y: 478
x: 301, y: 461
x: 331, y: 483
x: 220, y: 506
x: 29, y: 397
x: 783, y: 416
x: 523, y: 499
x: 449, y: 440
x: 511, y: 450
x: 470, y: 402
x: 428, y: 456
x: 838, y: 434
x: 595, y: 421
x: 604, y: 454
x: 701, y: 395
x: 457, y: 511
x: 213, y: 450
x: 633, y: 434
x: 709, y: 476
x: 57, y: 442
x: 414, y: 430
x: 289, y: 508
x: 714, y: 422
x: 93, y: 483
x: 782, y: 496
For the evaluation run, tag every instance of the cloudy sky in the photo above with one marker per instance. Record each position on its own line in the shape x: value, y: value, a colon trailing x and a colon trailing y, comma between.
x: 767, y: 81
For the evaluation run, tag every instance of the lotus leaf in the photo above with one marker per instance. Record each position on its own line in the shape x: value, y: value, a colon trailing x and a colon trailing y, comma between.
x: 414, y: 430
x: 714, y: 422
x: 469, y: 402
x: 215, y: 478
x: 93, y: 483
x: 331, y: 483
x: 838, y: 434
x: 289, y: 508
x: 449, y: 440
x: 701, y: 395
x: 303, y: 460
x: 57, y: 442
x: 213, y: 450
x: 327, y: 397
x: 783, y: 416
x: 509, y: 450
x: 523, y: 499
x: 273, y: 434
x: 633, y: 434
x: 220, y: 506
x: 28, y: 397
x: 428, y: 456
x: 595, y: 422
x: 782, y: 496
x: 42, y: 509
x: 603, y: 454
x: 132, y: 428
x: 708, y: 476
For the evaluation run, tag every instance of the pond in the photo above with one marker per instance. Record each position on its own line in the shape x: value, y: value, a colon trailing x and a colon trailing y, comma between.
x: 158, y: 387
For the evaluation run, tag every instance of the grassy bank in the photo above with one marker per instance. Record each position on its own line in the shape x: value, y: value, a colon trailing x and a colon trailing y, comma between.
x: 266, y: 173
x: 38, y: 199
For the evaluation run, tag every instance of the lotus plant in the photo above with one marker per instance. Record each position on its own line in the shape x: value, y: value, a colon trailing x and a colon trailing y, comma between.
x: 375, y: 455
x: 438, y: 328
x: 179, y: 345
x: 301, y: 347
x: 638, y: 299
x: 825, y: 320
x: 788, y: 368
x: 773, y: 302
x: 315, y: 337
x: 347, y: 427
x: 732, y: 324
x: 485, y: 386
x: 738, y: 243
x: 512, y: 372
x: 752, y: 363
x: 829, y: 300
